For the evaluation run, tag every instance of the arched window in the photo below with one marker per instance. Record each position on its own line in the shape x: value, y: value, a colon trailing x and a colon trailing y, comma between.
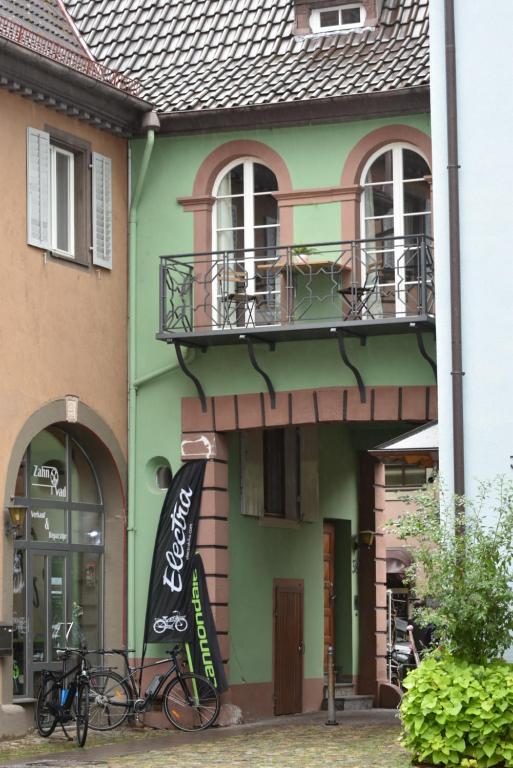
x: 395, y: 221
x: 245, y: 211
x: 246, y: 233
x: 57, y: 577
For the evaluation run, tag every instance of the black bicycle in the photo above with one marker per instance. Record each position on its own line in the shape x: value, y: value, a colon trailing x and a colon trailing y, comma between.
x: 64, y: 698
x: 189, y: 701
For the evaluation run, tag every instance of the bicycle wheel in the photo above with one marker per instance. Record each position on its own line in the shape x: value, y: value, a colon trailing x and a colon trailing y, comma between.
x: 46, y: 712
x: 191, y: 702
x: 109, y: 700
x: 82, y: 712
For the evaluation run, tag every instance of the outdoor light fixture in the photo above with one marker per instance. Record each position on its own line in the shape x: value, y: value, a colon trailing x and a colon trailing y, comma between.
x: 364, y: 539
x: 15, y: 520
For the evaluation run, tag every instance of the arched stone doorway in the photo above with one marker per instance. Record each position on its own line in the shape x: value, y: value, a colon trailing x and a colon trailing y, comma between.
x: 65, y: 572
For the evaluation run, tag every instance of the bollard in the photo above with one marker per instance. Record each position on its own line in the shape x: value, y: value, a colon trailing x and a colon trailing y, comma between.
x: 332, y: 713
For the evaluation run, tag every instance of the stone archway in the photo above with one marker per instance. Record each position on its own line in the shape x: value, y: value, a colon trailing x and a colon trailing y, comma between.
x: 106, y: 455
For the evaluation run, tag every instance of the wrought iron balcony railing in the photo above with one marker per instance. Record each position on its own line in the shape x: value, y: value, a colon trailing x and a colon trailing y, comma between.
x: 225, y: 293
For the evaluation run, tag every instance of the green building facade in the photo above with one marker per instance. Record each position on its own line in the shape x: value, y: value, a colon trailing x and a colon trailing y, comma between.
x: 261, y: 565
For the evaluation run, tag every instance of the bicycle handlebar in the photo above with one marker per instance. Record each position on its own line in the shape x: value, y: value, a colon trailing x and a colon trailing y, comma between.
x: 65, y: 653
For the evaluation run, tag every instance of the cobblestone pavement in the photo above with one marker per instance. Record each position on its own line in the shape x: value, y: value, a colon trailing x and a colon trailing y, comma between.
x: 302, y: 742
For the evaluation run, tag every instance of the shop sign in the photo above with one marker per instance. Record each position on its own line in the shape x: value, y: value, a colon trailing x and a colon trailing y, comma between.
x: 48, y: 477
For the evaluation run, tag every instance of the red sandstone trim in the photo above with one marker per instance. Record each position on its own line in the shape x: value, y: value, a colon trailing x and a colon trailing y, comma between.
x: 353, y: 167
x: 302, y: 406
x: 201, y: 200
x: 317, y: 195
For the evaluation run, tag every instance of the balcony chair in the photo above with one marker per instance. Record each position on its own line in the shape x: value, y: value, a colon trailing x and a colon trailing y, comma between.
x: 237, y: 306
x: 364, y: 301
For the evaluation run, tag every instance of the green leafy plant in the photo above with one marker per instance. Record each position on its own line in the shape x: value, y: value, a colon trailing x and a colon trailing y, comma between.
x: 463, y: 573
x: 303, y: 250
x: 455, y: 713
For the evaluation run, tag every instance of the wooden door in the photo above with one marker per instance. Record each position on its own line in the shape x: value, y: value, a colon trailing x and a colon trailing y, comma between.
x: 329, y: 589
x: 288, y: 646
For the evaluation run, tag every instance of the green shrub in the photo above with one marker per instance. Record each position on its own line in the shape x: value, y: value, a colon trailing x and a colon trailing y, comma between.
x: 456, y: 713
x: 465, y: 578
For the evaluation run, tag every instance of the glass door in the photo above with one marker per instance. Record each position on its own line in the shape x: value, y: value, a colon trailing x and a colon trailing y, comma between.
x: 58, y: 557
x: 48, y: 618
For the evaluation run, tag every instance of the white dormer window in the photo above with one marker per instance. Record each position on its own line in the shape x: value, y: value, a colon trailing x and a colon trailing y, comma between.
x: 337, y: 18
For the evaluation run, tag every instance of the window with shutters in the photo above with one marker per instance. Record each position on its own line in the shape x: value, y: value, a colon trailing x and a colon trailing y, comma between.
x: 69, y: 198
x: 279, y: 473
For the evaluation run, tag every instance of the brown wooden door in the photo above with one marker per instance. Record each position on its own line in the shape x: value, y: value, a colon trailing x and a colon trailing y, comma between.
x: 329, y: 589
x: 288, y: 647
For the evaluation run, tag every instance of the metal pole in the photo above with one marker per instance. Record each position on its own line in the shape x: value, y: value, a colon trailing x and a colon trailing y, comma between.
x: 332, y: 713
x: 389, y: 633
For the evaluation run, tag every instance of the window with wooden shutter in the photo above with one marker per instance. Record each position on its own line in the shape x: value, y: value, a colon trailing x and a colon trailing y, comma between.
x: 252, y: 473
x: 270, y: 473
x: 38, y: 188
x: 102, y: 211
x: 309, y: 473
x: 59, y: 180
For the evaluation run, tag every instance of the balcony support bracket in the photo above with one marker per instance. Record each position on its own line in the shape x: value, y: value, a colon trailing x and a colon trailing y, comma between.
x: 424, y: 353
x: 249, y: 339
x: 356, y: 373
x: 181, y: 362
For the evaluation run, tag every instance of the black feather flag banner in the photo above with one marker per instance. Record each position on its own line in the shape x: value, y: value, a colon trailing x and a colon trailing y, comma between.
x: 169, y: 611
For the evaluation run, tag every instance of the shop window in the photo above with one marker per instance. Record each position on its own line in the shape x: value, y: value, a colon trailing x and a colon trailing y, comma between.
x: 69, y: 196
x: 57, y: 567
x: 279, y: 474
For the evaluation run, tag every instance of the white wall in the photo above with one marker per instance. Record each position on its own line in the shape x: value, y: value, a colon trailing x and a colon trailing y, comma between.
x: 484, y: 52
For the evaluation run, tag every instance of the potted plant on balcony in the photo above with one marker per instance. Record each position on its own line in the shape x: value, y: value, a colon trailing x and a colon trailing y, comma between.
x: 301, y: 253
x: 458, y: 705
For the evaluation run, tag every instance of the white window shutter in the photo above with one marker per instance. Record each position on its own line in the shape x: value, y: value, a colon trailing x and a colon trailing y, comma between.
x: 38, y: 188
x: 309, y: 473
x: 102, y: 211
x: 252, y: 473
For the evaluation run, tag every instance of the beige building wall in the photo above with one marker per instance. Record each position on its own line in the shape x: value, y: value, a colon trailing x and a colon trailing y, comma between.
x: 63, y: 331
x: 62, y: 326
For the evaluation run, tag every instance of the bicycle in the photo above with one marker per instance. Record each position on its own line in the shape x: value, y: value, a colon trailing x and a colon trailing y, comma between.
x: 189, y: 701
x: 58, y: 704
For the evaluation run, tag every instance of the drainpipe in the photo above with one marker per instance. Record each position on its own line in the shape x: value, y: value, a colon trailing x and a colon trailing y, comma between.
x: 150, y: 123
x: 454, y: 254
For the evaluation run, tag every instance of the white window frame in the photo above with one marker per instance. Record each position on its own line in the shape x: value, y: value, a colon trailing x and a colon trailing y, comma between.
x: 315, y: 18
x: 398, y: 215
x: 54, y: 152
x: 249, y: 227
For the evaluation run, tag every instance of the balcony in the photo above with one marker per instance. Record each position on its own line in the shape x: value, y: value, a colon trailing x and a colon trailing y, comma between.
x: 297, y: 292
x: 271, y: 294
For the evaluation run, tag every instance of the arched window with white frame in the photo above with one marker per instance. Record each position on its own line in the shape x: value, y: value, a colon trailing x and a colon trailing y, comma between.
x: 396, y: 226
x: 245, y: 231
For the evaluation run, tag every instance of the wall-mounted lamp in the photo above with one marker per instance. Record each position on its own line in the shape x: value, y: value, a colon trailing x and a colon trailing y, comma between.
x: 15, y: 519
x: 364, y: 539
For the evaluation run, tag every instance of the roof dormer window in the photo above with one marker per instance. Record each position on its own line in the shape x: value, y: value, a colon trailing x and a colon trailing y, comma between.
x: 337, y: 18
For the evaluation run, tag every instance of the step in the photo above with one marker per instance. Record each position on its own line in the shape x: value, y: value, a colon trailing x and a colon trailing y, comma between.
x: 342, y: 690
x: 351, y: 703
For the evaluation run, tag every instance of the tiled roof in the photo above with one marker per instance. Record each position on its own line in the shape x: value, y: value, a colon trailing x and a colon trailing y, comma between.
x: 212, y: 54
x: 44, y: 17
